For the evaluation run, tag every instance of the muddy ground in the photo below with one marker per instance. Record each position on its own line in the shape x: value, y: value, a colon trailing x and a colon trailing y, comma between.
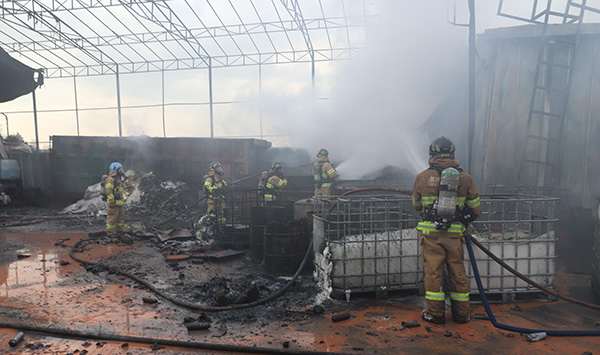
x: 194, y: 283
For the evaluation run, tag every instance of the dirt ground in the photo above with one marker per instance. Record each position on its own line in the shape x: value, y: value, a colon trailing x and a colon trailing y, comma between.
x: 126, y: 290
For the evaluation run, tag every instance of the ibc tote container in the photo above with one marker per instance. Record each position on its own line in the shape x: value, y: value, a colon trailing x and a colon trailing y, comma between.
x: 366, y: 243
x: 519, y: 229
x: 369, y: 243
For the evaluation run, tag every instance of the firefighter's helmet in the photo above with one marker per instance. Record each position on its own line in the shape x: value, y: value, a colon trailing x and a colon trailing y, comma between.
x: 277, y: 166
x: 323, y: 152
x: 114, y: 167
x: 442, y: 147
x: 216, y: 167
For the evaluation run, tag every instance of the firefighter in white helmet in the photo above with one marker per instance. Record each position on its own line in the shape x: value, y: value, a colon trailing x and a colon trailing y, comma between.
x: 448, y: 201
x: 324, y: 174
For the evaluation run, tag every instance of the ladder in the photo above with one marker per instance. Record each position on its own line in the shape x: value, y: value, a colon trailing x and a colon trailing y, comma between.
x: 546, y: 121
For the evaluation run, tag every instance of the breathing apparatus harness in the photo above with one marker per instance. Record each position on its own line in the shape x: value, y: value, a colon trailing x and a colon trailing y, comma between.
x: 317, y: 172
x: 444, y: 211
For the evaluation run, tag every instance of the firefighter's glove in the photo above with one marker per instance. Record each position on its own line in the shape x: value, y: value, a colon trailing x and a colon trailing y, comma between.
x: 118, y: 196
x: 466, y: 216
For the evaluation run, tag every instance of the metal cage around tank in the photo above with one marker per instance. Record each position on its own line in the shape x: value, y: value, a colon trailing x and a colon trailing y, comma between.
x: 519, y: 229
x: 366, y: 243
x: 369, y: 243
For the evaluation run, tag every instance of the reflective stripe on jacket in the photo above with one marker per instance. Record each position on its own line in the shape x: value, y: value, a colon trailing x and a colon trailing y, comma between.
x: 110, y: 189
x: 425, y: 192
x: 214, y: 182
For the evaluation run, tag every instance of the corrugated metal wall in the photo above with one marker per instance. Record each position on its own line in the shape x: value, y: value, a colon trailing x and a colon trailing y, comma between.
x: 81, y: 161
x: 507, y: 59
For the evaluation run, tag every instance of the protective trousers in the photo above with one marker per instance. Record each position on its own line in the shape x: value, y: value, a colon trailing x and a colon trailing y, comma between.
x: 323, y: 191
x: 115, y: 219
x: 216, y: 206
x: 436, y: 252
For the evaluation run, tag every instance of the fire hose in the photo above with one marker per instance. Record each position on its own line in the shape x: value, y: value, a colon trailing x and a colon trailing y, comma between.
x: 157, y: 341
x: 188, y: 304
x: 468, y: 240
x: 508, y: 327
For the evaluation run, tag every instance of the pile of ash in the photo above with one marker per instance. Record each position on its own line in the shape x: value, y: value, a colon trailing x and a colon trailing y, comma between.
x: 159, y: 196
x: 146, y: 194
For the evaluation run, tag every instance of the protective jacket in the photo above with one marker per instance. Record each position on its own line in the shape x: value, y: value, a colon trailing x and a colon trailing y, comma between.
x: 114, y: 190
x: 275, y: 184
x: 328, y: 173
x: 425, y: 193
x: 213, y: 185
x: 443, y: 249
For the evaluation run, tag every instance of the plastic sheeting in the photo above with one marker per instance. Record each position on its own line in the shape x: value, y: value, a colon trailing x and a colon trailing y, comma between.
x: 16, y: 78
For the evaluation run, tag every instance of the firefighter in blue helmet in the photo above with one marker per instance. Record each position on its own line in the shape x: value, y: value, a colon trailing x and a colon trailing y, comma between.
x: 448, y: 201
x: 114, y: 189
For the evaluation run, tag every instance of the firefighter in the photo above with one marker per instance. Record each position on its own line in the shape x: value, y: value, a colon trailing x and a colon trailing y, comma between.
x: 275, y: 183
x: 213, y: 188
x: 446, y: 210
x: 114, y: 190
x: 324, y: 174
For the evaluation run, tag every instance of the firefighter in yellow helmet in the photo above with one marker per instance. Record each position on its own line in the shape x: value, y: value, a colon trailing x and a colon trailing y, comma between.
x: 213, y: 188
x: 324, y: 174
x: 448, y: 201
x: 275, y: 183
x: 114, y: 189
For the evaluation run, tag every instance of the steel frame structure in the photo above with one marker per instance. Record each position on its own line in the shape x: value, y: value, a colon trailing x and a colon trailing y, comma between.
x: 80, y: 38
x: 96, y: 37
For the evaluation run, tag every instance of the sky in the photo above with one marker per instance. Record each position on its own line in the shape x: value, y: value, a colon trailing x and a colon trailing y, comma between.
x: 366, y: 111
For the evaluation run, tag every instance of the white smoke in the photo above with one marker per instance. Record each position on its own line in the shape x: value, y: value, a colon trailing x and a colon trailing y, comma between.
x: 380, y: 98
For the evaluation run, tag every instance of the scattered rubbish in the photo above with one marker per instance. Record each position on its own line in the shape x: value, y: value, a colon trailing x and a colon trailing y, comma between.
x: 536, y: 336
x: 317, y: 309
x: 222, y: 331
x: 175, y: 233
x: 97, y: 234
x: 411, y: 324
x: 198, y: 326
x: 124, y: 345
x: 16, y: 339
x: 64, y: 262
x: 177, y: 258
x: 62, y: 241
x: 23, y: 256
x: 87, y: 343
x: 221, y: 255
x: 428, y: 329
x: 448, y: 334
x: 517, y: 308
x: 481, y: 316
x: 340, y: 317
x: 156, y: 347
x: 286, y: 344
x: 149, y: 300
x: 510, y: 335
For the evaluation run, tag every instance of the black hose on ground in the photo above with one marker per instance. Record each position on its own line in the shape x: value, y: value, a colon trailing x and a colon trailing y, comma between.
x: 163, y: 342
x: 490, y: 314
x: 188, y: 304
x: 530, y: 281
